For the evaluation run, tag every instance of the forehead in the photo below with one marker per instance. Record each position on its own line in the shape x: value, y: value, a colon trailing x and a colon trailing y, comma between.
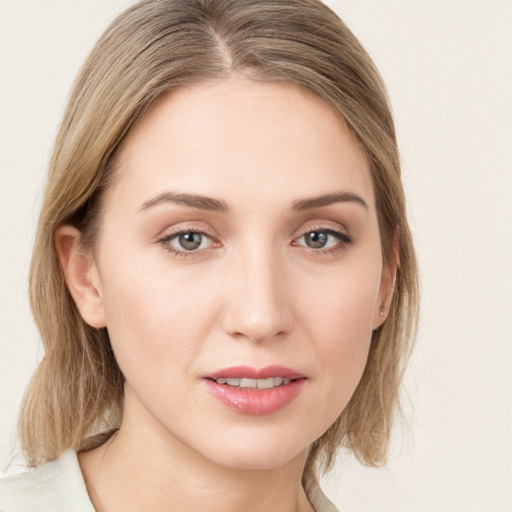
x: 220, y: 138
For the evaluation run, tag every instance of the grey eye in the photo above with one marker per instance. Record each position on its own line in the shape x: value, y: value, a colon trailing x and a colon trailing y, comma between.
x: 316, y: 239
x: 190, y: 241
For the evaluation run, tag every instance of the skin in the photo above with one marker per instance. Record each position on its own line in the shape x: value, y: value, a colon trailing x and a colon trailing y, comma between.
x: 253, y: 293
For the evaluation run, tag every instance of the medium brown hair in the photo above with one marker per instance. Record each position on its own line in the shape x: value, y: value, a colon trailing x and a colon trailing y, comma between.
x: 155, y: 48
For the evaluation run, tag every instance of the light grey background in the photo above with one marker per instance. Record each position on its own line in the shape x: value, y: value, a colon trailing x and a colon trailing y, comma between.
x: 448, y: 68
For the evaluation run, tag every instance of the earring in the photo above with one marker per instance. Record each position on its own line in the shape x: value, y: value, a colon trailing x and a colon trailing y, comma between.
x: 381, y: 312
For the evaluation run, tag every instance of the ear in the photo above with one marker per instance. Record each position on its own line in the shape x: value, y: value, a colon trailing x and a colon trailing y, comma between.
x: 387, y: 283
x: 81, y: 274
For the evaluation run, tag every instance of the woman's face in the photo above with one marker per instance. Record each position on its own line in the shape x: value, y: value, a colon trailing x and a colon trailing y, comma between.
x: 239, y: 241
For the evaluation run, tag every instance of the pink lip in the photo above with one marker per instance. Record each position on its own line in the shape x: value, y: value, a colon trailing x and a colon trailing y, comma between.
x: 256, y: 402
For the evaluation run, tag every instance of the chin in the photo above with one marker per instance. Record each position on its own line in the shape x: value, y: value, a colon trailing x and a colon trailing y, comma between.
x: 259, y: 461
x: 257, y: 452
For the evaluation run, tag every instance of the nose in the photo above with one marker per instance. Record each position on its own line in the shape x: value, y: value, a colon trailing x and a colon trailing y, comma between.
x: 259, y: 306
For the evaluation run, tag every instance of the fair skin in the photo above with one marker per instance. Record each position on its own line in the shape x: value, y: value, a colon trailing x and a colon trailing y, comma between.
x: 263, y: 277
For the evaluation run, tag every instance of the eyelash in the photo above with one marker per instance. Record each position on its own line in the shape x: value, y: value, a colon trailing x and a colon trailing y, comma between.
x: 343, y: 239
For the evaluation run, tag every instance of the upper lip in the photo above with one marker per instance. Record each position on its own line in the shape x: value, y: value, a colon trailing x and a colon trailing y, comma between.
x: 239, y: 372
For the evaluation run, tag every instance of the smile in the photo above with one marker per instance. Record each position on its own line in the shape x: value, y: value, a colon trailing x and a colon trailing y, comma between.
x: 255, y: 392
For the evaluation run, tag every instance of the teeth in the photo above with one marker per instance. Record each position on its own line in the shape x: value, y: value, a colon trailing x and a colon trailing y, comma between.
x: 255, y: 383
x: 248, y: 383
x: 268, y: 383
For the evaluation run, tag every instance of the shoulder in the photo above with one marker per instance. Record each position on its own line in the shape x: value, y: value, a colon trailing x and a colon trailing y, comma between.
x: 53, y: 487
x: 36, y: 489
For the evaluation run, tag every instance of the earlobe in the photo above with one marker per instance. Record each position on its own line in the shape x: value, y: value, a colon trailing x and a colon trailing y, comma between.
x: 387, y: 283
x: 81, y: 274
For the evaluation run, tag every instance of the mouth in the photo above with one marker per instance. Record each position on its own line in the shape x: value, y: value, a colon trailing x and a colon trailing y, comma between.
x: 247, y: 383
x: 247, y: 373
x: 255, y: 391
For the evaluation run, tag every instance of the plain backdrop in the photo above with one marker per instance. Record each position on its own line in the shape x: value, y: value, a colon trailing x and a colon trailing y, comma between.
x: 448, y: 68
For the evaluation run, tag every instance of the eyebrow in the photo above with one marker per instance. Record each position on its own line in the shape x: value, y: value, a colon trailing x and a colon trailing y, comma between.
x: 216, y: 205
x: 328, y: 199
x: 191, y: 200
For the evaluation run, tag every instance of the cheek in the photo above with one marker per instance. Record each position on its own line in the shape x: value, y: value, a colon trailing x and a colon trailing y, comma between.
x: 339, y: 319
x: 156, y: 320
x: 341, y: 304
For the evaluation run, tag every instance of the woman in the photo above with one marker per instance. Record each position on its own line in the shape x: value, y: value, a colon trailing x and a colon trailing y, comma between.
x: 223, y: 275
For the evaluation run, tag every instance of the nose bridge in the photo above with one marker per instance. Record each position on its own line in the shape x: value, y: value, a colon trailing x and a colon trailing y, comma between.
x: 259, y: 308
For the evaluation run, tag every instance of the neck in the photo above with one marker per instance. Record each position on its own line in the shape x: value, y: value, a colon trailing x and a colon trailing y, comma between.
x: 133, y: 472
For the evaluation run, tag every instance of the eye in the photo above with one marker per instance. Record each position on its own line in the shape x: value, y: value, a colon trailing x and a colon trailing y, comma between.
x: 324, y: 239
x: 316, y: 239
x: 184, y: 242
x: 189, y: 241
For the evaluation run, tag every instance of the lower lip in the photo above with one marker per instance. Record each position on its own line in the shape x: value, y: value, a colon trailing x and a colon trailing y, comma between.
x: 255, y: 402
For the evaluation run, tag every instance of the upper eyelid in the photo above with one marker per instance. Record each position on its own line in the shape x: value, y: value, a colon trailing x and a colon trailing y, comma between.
x: 322, y: 223
x: 173, y: 234
x: 173, y: 231
x: 322, y: 228
x: 327, y: 228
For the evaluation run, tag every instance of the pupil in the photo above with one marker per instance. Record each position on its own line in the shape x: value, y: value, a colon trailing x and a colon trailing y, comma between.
x: 316, y: 239
x: 190, y: 241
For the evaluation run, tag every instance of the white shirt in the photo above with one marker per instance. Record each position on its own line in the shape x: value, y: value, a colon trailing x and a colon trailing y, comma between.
x: 59, y: 487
